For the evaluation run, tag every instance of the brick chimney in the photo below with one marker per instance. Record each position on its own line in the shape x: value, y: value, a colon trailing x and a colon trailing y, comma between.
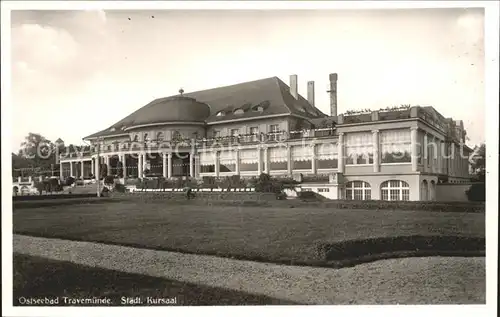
x: 293, y: 86
x: 333, y: 94
x: 310, y: 92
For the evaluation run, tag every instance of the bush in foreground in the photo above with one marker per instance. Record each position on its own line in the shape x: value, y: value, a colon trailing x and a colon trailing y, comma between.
x: 476, y: 192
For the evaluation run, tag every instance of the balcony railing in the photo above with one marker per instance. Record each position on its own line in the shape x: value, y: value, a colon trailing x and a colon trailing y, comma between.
x: 280, y: 136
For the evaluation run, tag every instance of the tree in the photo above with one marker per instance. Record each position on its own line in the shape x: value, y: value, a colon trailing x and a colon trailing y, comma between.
x: 38, y: 150
x: 478, y: 162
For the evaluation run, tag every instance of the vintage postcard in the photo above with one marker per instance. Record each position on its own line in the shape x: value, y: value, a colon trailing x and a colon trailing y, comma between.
x: 277, y: 157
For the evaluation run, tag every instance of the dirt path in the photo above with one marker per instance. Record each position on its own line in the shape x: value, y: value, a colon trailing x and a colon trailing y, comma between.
x: 430, y: 280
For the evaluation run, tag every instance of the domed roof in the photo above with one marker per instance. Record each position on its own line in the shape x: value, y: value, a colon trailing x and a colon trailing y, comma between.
x: 171, y: 109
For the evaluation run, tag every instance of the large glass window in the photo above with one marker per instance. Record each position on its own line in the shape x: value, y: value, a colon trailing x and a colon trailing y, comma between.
x: 358, y: 190
x: 327, y: 156
x: 207, y: 162
x: 278, y: 158
x: 359, y: 148
x: 301, y: 157
x: 227, y: 161
x: 394, y: 190
x: 395, y: 146
x: 249, y: 160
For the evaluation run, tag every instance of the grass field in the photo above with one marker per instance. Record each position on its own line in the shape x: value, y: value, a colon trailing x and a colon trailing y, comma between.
x: 39, y: 277
x: 283, y: 235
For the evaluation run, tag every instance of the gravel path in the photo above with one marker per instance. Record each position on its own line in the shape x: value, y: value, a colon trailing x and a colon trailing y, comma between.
x: 430, y: 280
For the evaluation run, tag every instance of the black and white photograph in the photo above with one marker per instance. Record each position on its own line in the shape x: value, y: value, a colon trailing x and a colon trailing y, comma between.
x: 248, y: 153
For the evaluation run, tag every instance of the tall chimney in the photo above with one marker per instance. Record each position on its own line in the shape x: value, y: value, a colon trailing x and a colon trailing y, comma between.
x: 333, y: 94
x: 293, y: 86
x: 310, y: 92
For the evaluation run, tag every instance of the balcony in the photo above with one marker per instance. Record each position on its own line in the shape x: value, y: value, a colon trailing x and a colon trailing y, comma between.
x: 186, y: 144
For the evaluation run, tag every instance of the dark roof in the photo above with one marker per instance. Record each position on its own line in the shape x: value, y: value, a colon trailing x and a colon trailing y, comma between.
x: 272, y: 94
x: 172, y: 109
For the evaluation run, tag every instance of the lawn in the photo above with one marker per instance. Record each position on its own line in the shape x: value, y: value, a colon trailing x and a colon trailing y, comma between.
x: 283, y: 235
x: 38, y: 278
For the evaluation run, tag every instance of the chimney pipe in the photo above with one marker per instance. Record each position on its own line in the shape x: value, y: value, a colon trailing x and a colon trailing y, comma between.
x: 333, y: 94
x: 293, y: 86
x: 310, y: 92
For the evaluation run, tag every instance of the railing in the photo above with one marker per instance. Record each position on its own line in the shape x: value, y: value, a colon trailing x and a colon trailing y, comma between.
x: 280, y: 136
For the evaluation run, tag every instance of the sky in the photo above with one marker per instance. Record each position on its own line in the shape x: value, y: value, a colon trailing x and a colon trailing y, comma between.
x: 78, y: 72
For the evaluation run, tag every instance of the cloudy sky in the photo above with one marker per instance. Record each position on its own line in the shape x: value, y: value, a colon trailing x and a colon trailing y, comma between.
x: 77, y: 72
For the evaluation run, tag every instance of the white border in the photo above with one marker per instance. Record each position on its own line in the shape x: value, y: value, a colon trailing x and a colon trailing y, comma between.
x: 492, y: 104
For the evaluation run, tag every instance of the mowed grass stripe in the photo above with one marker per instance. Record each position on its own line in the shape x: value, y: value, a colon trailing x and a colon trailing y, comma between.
x: 281, y: 235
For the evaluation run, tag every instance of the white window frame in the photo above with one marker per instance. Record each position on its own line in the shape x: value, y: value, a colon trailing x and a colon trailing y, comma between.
x: 364, y: 186
x: 386, y: 186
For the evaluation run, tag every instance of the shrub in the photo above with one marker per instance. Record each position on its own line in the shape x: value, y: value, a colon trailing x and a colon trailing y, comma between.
x: 41, y: 187
x: 119, y: 188
x: 476, y: 192
x: 105, y: 192
x: 69, y: 181
x: 109, y: 180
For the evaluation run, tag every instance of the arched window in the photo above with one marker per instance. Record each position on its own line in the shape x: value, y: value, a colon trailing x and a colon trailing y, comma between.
x: 395, y: 190
x: 358, y: 190
x: 220, y: 114
x: 238, y: 111
x: 258, y: 109
x: 160, y: 136
x: 176, y: 135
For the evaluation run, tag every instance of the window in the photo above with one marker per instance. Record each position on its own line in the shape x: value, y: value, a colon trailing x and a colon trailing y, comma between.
x: 239, y: 111
x: 358, y: 190
x: 323, y: 190
x: 254, y: 131
x: 274, y: 130
x: 220, y: 114
x: 146, y: 137
x: 176, y: 135
x: 136, y: 138
x: 207, y: 162
x: 216, y: 134
x: 394, y: 190
x: 227, y: 161
x: 258, y: 109
x: 326, y: 156
x: 235, y: 132
x: 160, y: 136
x: 278, y: 158
x: 301, y: 157
x: 395, y: 146
x: 359, y: 148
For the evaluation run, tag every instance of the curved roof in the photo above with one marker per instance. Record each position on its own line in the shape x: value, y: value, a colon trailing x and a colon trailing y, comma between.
x: 172, y: 109
x: 271, y: 93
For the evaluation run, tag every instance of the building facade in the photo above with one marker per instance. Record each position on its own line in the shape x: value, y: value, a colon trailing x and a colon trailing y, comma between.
x: 266, y: 126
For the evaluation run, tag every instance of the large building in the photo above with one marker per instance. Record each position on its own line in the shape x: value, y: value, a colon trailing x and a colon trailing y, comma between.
x: 266, y: 126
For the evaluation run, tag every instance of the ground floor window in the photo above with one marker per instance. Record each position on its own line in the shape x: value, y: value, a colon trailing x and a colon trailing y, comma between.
x: 395, y: 190
x: 323, y: 190
x: 358, y: 190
